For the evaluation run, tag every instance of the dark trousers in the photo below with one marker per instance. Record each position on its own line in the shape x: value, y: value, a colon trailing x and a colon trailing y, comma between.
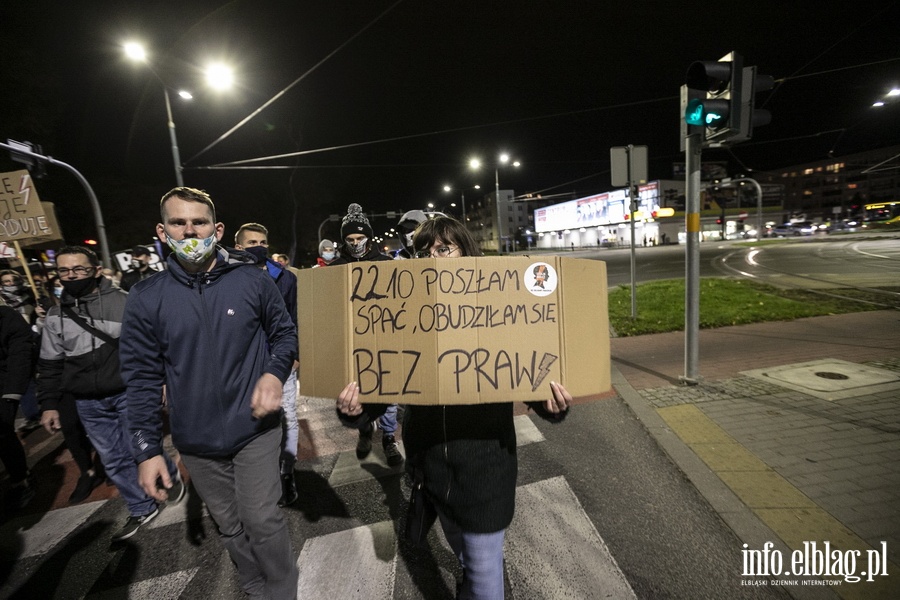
x: 11, y: 451
x: 73, y: 433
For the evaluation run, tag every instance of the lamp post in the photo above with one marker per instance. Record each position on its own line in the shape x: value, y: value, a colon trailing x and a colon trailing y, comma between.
x: 462, y: 197
x: 503, y: 159
x: 217, y: 76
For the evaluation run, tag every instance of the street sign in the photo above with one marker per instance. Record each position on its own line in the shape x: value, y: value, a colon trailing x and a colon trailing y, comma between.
x: 618, y: 156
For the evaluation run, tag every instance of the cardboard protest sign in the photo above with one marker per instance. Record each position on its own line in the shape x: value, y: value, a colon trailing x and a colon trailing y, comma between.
x: 21, y: 213
x: 51, y: 235
x: 455, y: 331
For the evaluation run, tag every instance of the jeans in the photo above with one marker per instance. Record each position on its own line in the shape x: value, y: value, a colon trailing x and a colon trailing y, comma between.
x: 289, y: 424
x: 106, y: 423
x: 388, y: 421
x: 242, y: 492
x: 29, y: 404
x: 481, y: 558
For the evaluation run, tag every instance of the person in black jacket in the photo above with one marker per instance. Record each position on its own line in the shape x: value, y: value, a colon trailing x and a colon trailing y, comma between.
x: 140, y: 267
x: 16, y: 362
x: 466, y: 454
x: 358, y: 247
x: 254, y: 238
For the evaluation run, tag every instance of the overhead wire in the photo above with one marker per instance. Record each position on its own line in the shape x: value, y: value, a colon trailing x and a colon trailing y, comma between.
x: 274, y: 98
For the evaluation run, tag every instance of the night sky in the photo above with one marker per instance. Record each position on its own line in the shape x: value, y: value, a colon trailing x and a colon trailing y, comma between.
x: 415, y: 88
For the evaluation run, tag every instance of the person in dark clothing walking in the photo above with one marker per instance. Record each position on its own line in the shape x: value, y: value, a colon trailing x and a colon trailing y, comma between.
x: 140, y: 267
x: 466, y: 454
x: 16, y: 362
x: 358, y: 247
x: 254, y: 238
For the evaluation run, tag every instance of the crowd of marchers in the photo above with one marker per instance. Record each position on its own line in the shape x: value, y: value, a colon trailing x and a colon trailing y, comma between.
x: 106, y: 360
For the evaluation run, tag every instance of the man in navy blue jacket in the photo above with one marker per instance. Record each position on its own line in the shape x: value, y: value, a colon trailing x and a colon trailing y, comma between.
x: 224, y: 398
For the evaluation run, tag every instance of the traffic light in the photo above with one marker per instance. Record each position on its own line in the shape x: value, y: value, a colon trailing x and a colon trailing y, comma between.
x: 719, y: 99
x: 715, y: 93
x: 750, y: 116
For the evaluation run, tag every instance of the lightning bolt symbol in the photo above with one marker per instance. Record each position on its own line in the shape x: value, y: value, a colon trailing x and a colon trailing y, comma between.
x: 543, y: 370
x: 25, y: 187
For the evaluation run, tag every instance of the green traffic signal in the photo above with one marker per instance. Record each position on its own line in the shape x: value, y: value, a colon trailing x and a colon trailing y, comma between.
x: 706, y: 113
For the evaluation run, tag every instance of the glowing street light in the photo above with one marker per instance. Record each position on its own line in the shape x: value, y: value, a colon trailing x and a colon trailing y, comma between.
x: 502, y: 160
x: 218, y: 76
x: 462, y: 193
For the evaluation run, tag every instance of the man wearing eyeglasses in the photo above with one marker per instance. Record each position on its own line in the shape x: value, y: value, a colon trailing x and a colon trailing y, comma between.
x: 80, y: 357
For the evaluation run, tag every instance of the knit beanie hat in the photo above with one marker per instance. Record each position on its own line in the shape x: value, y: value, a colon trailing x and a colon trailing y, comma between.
x: 355, y: 222
x: 323, y: 244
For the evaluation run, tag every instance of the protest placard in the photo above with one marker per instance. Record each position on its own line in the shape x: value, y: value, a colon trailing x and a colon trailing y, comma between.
x: 455, y: 331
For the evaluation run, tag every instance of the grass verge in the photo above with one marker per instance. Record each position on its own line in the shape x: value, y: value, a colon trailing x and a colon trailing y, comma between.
x: 723, y: 302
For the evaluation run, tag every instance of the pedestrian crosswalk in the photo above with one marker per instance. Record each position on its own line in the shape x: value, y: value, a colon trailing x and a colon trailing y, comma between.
x: 553, y: 550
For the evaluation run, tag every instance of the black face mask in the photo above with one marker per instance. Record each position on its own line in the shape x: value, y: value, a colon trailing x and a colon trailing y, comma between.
x: 80, y: 287
x: 260, y: 252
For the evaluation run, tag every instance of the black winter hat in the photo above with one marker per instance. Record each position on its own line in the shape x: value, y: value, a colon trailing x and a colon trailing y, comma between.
x: 355, y: 222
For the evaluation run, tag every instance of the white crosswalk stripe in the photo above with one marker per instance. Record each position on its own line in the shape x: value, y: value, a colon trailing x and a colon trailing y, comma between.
x: 554, y: 551
x: 23, y: 537
x: 357, y: 563
x: 552, y: 548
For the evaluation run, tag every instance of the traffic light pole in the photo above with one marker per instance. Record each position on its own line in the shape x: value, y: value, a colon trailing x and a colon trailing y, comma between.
x: 693, y: 146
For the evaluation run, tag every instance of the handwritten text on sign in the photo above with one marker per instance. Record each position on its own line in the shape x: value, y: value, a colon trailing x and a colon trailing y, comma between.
x: 478, y: 329
x: 21, y: 213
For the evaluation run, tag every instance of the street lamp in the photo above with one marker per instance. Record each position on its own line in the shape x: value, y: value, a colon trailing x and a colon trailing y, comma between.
x: 218, y: 76
x: 462, y: 196
x: 502, y: 160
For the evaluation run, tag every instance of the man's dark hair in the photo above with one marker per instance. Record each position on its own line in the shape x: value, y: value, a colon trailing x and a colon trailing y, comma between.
x: 91, y: 255
x: 449, y: 231
x: 189, y: 194
x: 250, y: 227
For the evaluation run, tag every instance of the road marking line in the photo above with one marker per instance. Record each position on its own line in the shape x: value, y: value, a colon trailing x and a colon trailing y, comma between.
x: 581, y: 566
x: 356, y: 563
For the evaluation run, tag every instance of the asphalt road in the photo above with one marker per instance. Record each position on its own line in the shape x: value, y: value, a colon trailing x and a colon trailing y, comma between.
x: 864, y: 259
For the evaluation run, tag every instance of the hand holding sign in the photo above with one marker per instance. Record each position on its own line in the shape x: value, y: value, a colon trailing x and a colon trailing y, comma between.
x: 348, y: 400
x: 561, y: 400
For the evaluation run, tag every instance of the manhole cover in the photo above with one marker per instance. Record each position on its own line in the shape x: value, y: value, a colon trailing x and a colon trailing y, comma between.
x: 831, y: 375
x: 830, y: 378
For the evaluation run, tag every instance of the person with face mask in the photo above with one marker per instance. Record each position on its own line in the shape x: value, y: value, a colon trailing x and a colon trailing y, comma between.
x: 79, y: 362
x: 16, y: 294
x: 357, y: 234
x: 407, y: 226
x: 327, y: 254
x: 213, y: 328
x: 254, y: 238
x: 140, y: 267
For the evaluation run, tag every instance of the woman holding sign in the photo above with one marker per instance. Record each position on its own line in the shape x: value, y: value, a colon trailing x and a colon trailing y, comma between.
x: 462, y: 457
